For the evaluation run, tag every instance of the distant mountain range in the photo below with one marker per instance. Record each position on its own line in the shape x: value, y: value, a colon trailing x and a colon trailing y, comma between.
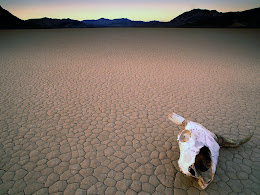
x: 196, y: 18
x: 56, y: 23
x: 122, y: 22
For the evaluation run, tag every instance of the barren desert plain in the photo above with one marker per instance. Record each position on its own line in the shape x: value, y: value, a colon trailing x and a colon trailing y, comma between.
x: 84, y: 111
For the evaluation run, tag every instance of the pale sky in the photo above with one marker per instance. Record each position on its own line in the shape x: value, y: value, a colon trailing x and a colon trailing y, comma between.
x: 146, y: 10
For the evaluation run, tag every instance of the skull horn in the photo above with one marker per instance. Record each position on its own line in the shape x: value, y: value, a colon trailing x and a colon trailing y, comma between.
x: 178, y: 120
x: 232, y: 143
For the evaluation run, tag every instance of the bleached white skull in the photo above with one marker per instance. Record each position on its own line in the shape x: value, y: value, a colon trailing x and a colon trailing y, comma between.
x: 199, y: 149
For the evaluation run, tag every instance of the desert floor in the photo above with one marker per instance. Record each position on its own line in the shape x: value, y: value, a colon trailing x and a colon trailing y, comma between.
x: 85, y: 110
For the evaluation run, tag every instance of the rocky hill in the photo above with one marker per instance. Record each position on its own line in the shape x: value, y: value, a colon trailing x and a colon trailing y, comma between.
x: 206, y: 18
x: 9, y: 21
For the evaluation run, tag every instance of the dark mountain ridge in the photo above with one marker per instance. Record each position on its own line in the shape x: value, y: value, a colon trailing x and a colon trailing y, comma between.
x: 196, y: 18
x: 7, y: 20
x: 57, y: 23
x: 212, y: 18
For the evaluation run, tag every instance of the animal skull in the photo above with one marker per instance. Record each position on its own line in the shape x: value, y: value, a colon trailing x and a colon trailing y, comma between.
x: 199, y: 149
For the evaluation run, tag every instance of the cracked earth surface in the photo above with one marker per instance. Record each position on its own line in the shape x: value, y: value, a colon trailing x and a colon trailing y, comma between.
x: 84, y: 111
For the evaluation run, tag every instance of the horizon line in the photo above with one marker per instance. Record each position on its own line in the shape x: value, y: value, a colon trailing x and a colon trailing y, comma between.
x: 129, y: 18
x: 138, y: 20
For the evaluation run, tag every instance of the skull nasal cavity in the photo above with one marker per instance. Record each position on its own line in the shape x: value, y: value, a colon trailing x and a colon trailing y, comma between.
x: 192, y: 171
x: 203, y: 159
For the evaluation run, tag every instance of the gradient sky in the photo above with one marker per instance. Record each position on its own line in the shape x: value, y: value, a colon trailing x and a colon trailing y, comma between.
x: 146, y: 10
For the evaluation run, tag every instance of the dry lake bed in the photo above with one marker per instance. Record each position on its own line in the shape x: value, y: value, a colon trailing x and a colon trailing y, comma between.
x: 84, y: 111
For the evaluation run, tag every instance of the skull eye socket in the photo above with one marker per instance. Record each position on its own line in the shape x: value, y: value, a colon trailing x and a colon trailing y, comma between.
x: 185, y: 135
x: 191, y: 170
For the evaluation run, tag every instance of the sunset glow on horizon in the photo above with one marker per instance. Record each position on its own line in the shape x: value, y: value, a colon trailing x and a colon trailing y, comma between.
x: 144, y: 10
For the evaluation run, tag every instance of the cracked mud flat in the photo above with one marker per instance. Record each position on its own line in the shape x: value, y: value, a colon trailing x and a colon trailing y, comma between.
x: 84, y: 111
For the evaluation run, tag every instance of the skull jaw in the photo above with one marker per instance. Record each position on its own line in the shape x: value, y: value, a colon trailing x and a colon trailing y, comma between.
x: 202, y: 184
x: 202, y: 168
x: 205, y: 179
